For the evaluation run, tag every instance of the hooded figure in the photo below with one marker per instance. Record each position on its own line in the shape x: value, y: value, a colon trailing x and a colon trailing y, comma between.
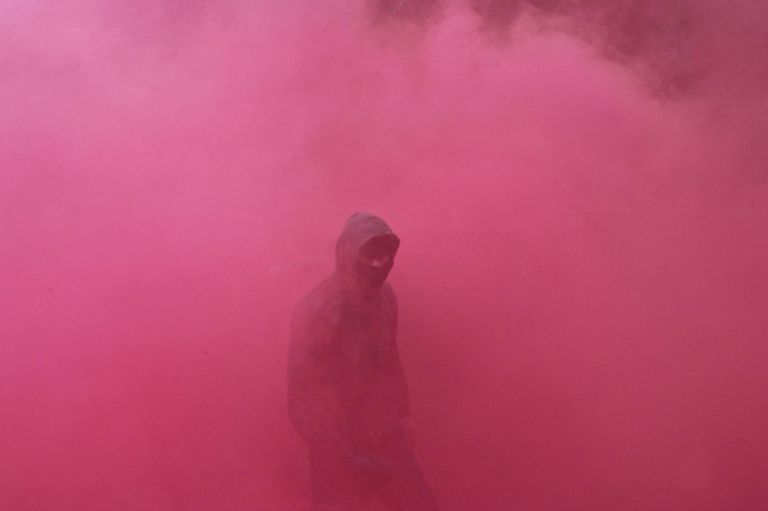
x: 347, y: 395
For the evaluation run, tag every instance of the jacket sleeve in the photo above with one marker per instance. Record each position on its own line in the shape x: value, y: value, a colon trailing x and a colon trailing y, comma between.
x: 401, y: 387
x: 313, y: 401
x: 399, y: 383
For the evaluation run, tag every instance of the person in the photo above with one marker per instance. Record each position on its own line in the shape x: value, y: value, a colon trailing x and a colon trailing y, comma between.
x: 347, y: 394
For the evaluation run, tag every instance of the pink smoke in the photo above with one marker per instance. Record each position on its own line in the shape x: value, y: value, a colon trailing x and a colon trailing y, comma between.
x: 581, y: 280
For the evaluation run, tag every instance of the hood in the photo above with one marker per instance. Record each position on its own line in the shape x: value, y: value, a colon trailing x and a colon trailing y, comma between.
x: 359, y: 229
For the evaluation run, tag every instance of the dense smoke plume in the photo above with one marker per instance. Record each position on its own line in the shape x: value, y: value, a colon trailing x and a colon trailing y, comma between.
x: 580, y: 189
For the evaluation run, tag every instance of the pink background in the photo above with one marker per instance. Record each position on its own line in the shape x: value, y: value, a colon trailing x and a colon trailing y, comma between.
x: 581, y: 197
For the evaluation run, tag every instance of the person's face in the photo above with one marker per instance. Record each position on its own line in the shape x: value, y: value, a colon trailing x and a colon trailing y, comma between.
x: 375, y: 260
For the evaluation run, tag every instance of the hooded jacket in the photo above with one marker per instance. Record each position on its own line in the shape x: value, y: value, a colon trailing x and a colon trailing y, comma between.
x: 345, y: 383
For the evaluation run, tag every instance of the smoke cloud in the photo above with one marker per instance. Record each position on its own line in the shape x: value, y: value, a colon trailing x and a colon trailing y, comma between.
x: 580, y: 190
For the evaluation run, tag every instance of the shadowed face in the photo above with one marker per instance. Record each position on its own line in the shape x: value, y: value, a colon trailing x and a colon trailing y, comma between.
x: 375, y: 260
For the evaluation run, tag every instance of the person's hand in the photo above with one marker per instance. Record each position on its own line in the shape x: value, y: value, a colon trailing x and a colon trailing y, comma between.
x: 369, y: 466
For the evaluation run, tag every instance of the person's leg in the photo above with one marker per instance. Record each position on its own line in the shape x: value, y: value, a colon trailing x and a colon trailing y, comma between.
x: 335, y: 486
x: 406, y: 489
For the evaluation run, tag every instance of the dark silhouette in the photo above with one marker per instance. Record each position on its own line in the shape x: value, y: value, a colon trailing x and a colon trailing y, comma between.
x: 347, y: 395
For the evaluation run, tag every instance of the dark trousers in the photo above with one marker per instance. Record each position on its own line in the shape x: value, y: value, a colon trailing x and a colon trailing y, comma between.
x: 338, y: 485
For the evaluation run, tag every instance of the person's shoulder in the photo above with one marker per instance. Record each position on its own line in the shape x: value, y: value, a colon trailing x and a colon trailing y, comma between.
x: 322, y: 302
x: 389, y: 298
x: 388, y: 292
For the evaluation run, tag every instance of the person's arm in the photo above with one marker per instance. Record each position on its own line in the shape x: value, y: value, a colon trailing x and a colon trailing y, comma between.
x: 399, y: 383
x: 312, y: 399
x: 313, y: 403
